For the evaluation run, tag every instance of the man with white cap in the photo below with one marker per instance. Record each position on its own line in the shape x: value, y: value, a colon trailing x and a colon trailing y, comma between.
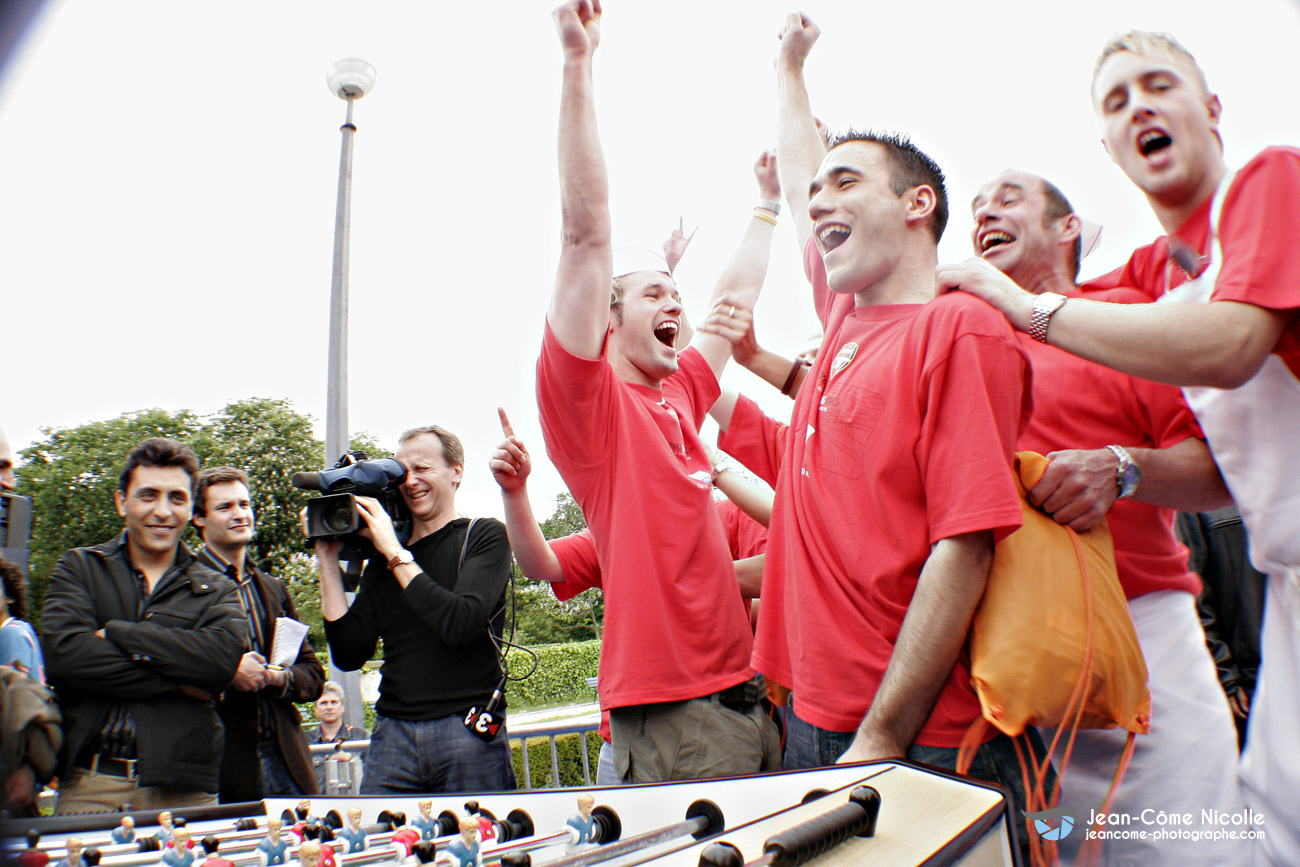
x: 1128, y: 450
x: 621, y: 414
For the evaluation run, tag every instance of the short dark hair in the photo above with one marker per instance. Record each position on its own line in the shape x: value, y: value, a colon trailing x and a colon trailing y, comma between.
x: 160, y: 452
x: 15, y: 589
x: 910, y: 167
x: 215, y: 476
x: 91, y: 856
x: 210, y: 844
x: 1058, y: 206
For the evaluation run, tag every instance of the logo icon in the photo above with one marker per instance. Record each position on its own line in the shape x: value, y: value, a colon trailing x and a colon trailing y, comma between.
x: 1045, y: 829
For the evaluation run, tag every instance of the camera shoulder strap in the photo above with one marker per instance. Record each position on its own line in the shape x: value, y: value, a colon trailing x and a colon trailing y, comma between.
x: 465, y: 545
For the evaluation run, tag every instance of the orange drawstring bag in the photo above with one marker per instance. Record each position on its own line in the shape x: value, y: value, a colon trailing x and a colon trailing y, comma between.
x: 1052, y: 642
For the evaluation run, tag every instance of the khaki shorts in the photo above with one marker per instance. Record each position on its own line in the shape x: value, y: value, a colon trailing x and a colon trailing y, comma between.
x: 692, y: 740
x: 84, y: 792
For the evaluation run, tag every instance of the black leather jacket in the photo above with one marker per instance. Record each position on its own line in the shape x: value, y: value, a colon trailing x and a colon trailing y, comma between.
x: 167, y: 657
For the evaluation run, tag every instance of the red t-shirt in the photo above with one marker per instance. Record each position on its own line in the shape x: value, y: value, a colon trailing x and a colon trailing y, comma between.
x: 903, y: 435
x: 675, y: 625
x: 1082, y: 405
x: 754, y: 439
x: 1261, y: 211
x: 745, y: 536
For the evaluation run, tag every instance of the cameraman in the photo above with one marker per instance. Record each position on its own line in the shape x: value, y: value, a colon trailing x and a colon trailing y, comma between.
x: 433, y: 603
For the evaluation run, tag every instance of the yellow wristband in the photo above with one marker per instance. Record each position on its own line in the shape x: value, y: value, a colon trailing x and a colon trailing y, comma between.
x: 764, y: 216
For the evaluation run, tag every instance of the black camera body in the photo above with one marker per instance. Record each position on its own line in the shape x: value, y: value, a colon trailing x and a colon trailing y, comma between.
x: 333, y: 516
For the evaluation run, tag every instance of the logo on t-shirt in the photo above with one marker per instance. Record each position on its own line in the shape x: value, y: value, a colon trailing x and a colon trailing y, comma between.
x: 843, y: 357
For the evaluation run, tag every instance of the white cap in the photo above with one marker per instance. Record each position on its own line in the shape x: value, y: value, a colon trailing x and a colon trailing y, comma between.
x: 629, y: 260
x: 1089, y: 236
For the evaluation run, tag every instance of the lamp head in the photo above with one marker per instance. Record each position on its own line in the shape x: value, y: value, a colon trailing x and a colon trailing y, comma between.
x: 350, y: 78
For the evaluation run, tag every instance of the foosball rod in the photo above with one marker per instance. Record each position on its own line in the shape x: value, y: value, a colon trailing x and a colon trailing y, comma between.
x: 703, y: 819
x: 807, y: 840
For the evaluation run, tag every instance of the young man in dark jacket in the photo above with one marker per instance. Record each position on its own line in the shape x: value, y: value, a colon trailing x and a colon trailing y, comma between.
x: 140, y: 638
x: 266, y: 752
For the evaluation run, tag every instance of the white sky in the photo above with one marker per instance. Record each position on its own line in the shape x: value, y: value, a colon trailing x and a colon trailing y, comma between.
x: 168, y: 174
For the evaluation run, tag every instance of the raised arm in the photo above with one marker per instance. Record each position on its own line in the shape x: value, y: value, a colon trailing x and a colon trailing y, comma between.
x: 511, y: 465
x: 798, y: 142
x: 740, y: 282
x: 579, y: 312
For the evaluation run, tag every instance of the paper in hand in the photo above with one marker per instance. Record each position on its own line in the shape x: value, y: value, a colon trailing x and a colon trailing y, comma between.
x: 289, y: 634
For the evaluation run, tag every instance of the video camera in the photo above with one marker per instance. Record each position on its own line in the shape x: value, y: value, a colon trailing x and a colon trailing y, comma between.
x: 333, y: 515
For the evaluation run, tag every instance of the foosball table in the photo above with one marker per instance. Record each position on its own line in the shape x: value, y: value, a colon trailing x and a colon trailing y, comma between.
x: 888, y: 813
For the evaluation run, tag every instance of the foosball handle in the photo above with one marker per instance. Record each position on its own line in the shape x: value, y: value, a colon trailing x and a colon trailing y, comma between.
x: 819, y: 834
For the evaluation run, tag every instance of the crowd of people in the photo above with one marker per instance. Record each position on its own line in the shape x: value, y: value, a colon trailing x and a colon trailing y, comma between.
x: 1168, y: 386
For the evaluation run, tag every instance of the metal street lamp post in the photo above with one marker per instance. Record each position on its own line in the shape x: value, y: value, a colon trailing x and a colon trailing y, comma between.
x: 349, y: 80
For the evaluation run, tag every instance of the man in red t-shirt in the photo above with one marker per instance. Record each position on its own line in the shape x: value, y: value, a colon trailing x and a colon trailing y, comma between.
x: 896, y: 479
x: 621, y: 412
x: 1227, y: 280
x: 1128, y: 450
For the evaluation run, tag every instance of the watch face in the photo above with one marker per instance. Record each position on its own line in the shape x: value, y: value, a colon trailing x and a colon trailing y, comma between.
x: 1129, y: 478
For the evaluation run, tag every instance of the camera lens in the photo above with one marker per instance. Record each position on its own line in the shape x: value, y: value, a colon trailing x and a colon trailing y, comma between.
x: 337, y: 517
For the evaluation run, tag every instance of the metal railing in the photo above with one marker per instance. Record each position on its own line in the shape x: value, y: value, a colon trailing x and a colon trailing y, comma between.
x: 344, y: 778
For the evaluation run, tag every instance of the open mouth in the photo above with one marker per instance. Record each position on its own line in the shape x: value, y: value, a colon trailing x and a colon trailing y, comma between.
x: 832, y: 236
x: 1153, y: 140
x: 996, y: 238
x: 666, y: 333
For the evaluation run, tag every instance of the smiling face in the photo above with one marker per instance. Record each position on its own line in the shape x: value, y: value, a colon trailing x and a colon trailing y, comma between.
x: 859, y: 221
x: 227, y: 521
x: 156, y: 506
x: 1014, y: 233
x: 643, y: 331
x: 1159, y: 125
x: 430, y: 486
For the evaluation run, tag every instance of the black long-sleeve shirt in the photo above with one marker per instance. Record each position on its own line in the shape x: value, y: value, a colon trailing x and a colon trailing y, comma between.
x: 438, y: 657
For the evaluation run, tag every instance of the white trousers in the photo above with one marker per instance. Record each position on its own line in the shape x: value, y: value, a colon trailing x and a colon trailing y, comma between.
x: 1270, y: 767
x: 1187, y: 764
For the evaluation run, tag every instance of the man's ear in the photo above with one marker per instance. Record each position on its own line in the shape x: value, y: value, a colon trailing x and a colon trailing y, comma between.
x: 119, y: 500
x: 460, y: 472
x: 1071, y: 228
x: 921, y: 203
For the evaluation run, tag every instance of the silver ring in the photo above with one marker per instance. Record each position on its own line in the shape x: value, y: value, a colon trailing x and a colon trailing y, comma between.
x: 732, y: 313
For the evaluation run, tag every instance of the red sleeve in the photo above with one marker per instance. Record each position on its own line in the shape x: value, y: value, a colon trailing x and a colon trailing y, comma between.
x: 1166, y: 414
x: 576, y: 403
x: 754, y: 439
x: 693, y: 388
x: 1143, y: 272
x: 1257, y: 232
x: 977, y: 402
x: 578, y: 562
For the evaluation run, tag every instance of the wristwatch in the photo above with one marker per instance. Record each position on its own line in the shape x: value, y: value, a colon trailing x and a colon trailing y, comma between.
x: 1045, y: 305
x: 402, y: 556
x: 1128, y: 475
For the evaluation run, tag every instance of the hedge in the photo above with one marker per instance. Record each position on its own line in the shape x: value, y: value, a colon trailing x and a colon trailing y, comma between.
x: 560, y: 677
x: 569, y: 756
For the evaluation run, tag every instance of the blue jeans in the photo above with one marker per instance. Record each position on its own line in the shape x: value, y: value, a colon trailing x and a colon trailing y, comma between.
x: 273, y: 774
x: 437, y: 755
x: 807, y: 746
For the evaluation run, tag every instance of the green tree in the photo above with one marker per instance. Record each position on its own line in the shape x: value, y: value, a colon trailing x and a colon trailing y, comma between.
x: 73, y: 472
x: 540, y: 618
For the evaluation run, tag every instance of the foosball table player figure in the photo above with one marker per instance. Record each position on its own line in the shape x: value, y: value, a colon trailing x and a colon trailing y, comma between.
x: 582, y: 824
x: 273, y: 850
x: 463, y: 851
